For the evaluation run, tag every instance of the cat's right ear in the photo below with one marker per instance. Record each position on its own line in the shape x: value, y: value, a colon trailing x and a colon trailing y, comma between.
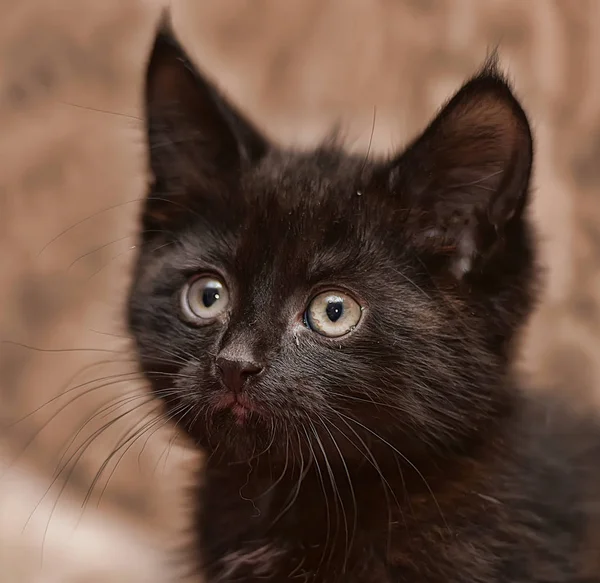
x: 198, y: 143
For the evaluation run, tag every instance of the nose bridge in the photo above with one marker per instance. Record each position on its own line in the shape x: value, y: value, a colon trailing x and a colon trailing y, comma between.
x: 250, y: 340
x: 254, y: 326
x: 245, y: 337
x: 252, y: 320
x: 238, y: 345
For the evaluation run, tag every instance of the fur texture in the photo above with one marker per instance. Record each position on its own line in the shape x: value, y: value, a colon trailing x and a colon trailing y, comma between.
x: 404, y: 449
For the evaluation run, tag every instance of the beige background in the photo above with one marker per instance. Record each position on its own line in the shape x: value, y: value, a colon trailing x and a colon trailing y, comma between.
x: 72, y: 172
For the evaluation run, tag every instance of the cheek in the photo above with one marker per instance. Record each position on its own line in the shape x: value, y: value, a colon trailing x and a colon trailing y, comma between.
x: 172, y: 345
x: 292, y: 383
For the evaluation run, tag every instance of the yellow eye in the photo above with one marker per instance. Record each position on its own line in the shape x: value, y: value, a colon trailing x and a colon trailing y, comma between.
x: 203, y: 299
x: 333, y: 314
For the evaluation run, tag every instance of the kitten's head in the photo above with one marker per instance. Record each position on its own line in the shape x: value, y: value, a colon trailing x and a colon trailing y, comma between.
x: 283, y: 299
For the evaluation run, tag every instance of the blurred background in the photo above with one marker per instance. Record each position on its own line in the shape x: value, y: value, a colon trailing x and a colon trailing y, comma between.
x: 92, y: 482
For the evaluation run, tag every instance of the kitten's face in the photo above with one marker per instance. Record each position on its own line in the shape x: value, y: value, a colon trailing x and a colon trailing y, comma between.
x: 295, y: 303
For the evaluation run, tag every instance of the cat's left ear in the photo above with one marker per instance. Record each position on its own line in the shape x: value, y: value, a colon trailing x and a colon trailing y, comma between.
x: 466, y: 178
x: 197, y: 141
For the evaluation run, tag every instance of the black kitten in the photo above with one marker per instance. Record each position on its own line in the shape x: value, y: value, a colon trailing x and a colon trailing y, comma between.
x: 337, y: 336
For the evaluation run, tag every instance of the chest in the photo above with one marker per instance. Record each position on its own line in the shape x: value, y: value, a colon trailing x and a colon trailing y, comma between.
x: 249, y: 532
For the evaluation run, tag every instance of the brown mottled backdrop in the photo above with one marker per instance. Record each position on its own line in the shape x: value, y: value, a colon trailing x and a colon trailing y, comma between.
x: 72, y: 171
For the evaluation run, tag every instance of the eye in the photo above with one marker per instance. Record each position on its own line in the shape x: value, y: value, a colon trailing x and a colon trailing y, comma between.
x: 203, y: 299
x: 333, y: 314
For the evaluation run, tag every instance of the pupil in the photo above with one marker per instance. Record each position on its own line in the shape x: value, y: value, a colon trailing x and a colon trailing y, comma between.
x: 210, y: 295
x: 334, y: 310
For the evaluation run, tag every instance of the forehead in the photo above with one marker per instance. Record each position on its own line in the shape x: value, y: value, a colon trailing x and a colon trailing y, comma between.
x: 309, y: 209
x: 298, y: 216
x: 325, y: 175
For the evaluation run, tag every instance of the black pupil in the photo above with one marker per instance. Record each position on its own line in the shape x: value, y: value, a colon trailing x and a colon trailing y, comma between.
x: 210, y: 295
x: 335, y: 310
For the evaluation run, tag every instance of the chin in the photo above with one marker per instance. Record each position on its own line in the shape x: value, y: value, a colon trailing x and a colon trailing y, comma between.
x: 236, y: 434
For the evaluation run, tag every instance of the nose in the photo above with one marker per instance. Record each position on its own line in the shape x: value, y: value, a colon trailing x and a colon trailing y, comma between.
x: 235, y: 372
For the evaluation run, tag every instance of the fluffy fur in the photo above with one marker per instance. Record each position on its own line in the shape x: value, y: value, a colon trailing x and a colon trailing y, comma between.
x: 404, y: 450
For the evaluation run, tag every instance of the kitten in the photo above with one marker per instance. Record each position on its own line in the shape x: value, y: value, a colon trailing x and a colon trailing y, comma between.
x: 337, y: 336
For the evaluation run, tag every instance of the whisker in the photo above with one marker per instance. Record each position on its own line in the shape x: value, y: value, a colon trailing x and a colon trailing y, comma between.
x: 59, y: 350
x: 55, y: 415
x: 370, y: 140
x: 65, y: 392
x: 384, y: 441
x: 85, y: 219
x: 325, y: 498
x: 387, y: 488
x: 96, y: 110
x: 349, y: 540
x: 112, y: 406
x: 274, y: 484
x: 81, y: 450
x: 96, y: 249
x: 127, y: 441
x: 303, y: 473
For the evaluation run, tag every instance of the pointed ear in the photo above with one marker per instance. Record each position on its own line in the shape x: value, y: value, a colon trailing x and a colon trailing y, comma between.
x: 197, y: 141
x: 467, y: 177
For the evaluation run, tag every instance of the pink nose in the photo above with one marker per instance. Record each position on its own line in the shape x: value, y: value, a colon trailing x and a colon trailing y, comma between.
x: 235, y: 373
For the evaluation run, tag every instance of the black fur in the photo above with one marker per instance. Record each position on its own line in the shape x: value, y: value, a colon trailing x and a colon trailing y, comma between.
x: 403, y: 451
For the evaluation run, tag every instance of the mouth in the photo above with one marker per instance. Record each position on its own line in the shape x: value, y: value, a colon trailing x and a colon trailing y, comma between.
x: 237, y: 428
x: 238, y: 405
